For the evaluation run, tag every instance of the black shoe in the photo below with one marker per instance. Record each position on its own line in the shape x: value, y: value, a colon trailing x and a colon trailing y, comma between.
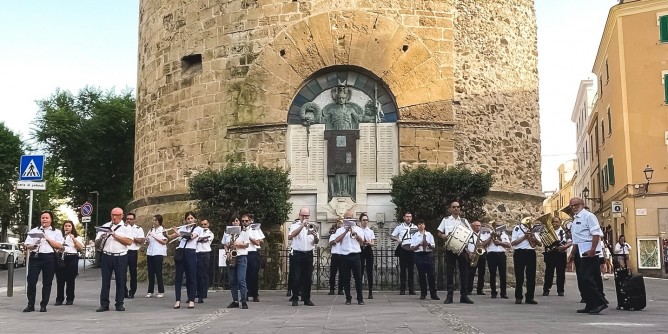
x: 493, y: 296
x: 295, y: 302
x: 402, y: 292
x: 120, y: 308
x: 448, y: 300
x: 598, y: 309
x: 423, y: 297
x: 131, y: 296
x: 57, y: 303
x: 102, y: 309
x: 309, y: 303
x: 560, y: 294
x: 236, y: 305
x: 348, y: 301
x: 435, y: 297
x: 256, y: 299
x: 531, y: 301
x: 411, y: 292
x: 518, y: 301
x: 546, y: 293
x: 244, y: 306
x: 340, y: 292
x: 480, y: 293
x: 29, y: 308
x: 584, y: 310
x: 504, y: 296
x: 288, y: 294
x: 69, y: 302
x: 465, y: 300
x: 200, y: 301
x: 360, y: 302
x: 331, y: 292
x: 370, y: 296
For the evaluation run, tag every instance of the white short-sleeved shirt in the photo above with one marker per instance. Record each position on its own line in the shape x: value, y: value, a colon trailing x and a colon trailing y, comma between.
x: 624, y: 250
x: 584, y: 227
x: 112, y: 245
x: 204, y: 246
x: 449, y: 223
x: 154, y: 247
x: 518, y: 232
x: 419, y: 237
x: 138, y: 232
x: 44, y: 246
x: 69, y: 245
x: 190, y: 243
x: 474, y: 240
x: 304, y: 241
x: 257, y: 235
x: 241, y: 239
x: 368, y: 234
x: 492, y: 248
x: 348, y: 244
x: 336, y: 247
x: 402, y: 231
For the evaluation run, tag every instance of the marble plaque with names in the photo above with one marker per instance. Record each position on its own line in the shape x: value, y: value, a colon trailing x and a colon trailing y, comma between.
x: 307, y: 153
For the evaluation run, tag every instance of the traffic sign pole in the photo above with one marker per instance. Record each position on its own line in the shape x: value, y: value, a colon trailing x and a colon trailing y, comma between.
x: 29, y: 228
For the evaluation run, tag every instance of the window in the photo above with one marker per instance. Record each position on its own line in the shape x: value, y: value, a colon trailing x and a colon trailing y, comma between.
x: 600, y: 85
x: 611, y: 172
x: 609, y: 122
x: 607, y: 72
x: 604, y: 178
x: 663, y: 28
x: 602, y: 132
x: 665, y: 86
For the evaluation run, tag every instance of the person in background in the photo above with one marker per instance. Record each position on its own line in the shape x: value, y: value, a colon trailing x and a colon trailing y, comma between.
x: 335, y: 258
x: 366, y: 256
x: 423, y: 245
x: 402, y: 234
x: 256, y: 238
x: 155, y: 253
x: 133, y: 252
x: 203, y: 251
x: 66, y: 275
x: 622, y: 250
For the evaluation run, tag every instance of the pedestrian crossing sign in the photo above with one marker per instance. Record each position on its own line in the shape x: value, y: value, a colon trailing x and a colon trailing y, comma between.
x: 31, y: 168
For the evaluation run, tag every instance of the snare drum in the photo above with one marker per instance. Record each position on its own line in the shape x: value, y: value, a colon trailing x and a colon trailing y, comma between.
x: 458, y: 239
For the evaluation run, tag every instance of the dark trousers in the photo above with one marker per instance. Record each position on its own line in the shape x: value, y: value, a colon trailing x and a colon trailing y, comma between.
x: 480, y: 268
x: 203, y: 274
x: 555, y: 261
x: 424, y: 261
x: 334, y: 267
x: 303, y: 269
x: 253, y: 274
x: 463, y: 266
x: 366, y: 264
x: 154, y: 264
x: 588, y: 272
x: 525, y: 260
x: 119, y: 266
x: 45, y: 264
x: 132, y: 269
x: 497, y: 261
x: 66, y: 276
x: 189, y: 266
x: 292, y: 272
x: 351, y: 264
x: 406, y: 268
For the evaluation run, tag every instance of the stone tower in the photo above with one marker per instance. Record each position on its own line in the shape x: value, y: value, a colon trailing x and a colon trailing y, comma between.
x: 222, y: 81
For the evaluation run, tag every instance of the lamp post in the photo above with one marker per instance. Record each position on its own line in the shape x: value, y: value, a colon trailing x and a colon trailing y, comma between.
x: 585, y: 195
x: 649, y: 172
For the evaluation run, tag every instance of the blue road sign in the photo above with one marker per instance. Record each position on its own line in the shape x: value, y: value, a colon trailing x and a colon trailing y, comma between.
x: 31, y: 168
x: 86, y: 209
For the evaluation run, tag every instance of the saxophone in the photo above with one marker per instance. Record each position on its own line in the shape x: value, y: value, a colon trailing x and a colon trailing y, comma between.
x: 479, y: 250
x: 232, y: 258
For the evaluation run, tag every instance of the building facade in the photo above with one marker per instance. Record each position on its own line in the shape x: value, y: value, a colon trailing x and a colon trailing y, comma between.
x: 559, y: 199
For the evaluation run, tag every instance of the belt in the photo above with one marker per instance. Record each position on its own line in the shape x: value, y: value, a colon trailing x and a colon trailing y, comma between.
x: 302, y: 252
x: 71, y: 253
x: 115, y: 254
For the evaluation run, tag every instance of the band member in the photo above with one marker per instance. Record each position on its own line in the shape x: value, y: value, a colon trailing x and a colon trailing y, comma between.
x: 335, y: 261
x: 42, y: 259
x: 114, y: 258
x: 155, y: 253
x: 496, y: 261
x: 525, y: 241
x: 555, y: 259
x: 66, y: 275
x: 256, y: 238
x: 423, y: 245
x: 237, y: 272
x: 622, y: 250
x: 402, y: 234
x: 133, y: 249
x: 368, y: 240
x: 587, y: 243
x: 472, y: 246
x: 444, y: 229
x: 203, y: 251
x: 185, y: 258
x: 350, y: 239
x: 303, y: 241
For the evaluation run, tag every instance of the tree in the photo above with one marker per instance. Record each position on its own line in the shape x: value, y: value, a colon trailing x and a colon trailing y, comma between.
x: 428, y: 192
x: 11, y: 149
x: 89, y: 142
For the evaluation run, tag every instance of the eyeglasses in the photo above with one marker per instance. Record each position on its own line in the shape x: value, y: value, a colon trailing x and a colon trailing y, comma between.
x: 455, y: 207
x: 304, y: 215
x: 245, y: 220
x: 575, y: 205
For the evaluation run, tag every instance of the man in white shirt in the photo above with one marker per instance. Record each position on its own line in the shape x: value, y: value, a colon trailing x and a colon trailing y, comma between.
x: 366, y: 257
x: 446, y: 227
x: 303, y: 240
x: 482, y: 259
x: 335, y: 258
x: 114, y: 258
x: 256, y: 238
x: 555, y: 260
x: 423, y: 245
x: 203, y: 251
x: 350, y: 239
x: 402, y: 234
x: 133, y: 249
x: 525, y: 242
x: 496, y: 260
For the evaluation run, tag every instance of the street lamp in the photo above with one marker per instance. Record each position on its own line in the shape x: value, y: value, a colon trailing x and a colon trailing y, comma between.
x: 585, y: 194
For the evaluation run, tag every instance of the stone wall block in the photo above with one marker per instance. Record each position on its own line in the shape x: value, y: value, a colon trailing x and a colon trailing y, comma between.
x: 406, y: 136
x: 408, y: 154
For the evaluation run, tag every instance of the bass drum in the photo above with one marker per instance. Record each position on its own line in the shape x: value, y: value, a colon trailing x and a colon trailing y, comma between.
x: 458, y: 239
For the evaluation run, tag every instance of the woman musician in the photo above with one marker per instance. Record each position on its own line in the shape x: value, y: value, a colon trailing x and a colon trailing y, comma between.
x: 185, y: 258
x: 67, y: 274
x: 156, y: 250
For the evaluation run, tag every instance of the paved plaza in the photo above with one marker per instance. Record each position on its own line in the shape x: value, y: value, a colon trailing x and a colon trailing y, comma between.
x: 388, y: 312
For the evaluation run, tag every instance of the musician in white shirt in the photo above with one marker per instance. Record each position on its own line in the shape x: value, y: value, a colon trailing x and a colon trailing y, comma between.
x: 402, y: 234
x: 524, y: 242
x: 335, y: 258
x: 42, y: 259
x: 555, y: 260
x: 349, y: 238
x: 366, y: 257
x: 66, y: 275
x: 256, y: 238
x: 155, y: 253
x: 303, y: 240
x: 203, y: 251
x: 237, y: 273
x: 446, y: 227
x: 496, y: 261
x: 188, y: 261
x: 482, y: 259
x: 133, y: 252
x: 423, y: 245
x: 114, y: 258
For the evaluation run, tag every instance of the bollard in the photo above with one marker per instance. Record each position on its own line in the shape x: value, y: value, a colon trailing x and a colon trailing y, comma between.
x: 10, y: 275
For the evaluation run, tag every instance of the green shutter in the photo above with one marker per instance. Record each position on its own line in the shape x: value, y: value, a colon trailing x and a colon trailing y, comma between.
x: 663, y: 28
x: 611, y: 172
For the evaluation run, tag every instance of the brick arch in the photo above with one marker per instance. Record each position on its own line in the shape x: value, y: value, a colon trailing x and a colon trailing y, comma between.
x: 371, y: 41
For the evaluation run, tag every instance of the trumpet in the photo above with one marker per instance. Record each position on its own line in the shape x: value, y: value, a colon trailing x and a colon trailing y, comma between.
x: 528, y: 227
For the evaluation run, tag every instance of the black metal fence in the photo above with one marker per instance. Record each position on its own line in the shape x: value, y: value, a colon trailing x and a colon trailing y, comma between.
x: 275, y: 264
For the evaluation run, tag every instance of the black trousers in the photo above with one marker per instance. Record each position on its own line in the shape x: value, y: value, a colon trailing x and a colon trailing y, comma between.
x: 154, y: 264
x: 351, y: 264
x: 252, y: 274
x: 66, y: 276
x: 424, y: 261
x: 406, y: 268
x: 46, y: 265
x: 588, y: 272
x: 555, y: 261
x: 203, y: 274
x: 496, y: 261
x: 480, y: 268
x: 132, y: 269
x: 303, y: 269
x: 119, y: 266
x: 525, y: 260
x: 366, y: 263
x: 463, y: 266
x: 334, y: 267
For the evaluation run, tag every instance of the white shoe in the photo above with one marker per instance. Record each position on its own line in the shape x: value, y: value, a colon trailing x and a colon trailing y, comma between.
x: 149, y: 295
x: 160, y: 295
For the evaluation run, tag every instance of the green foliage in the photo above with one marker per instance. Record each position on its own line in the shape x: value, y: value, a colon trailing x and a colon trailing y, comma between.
x: 261, y: 191
x: 11, y: 149
x: 89, y: 142
x: 427, y: 192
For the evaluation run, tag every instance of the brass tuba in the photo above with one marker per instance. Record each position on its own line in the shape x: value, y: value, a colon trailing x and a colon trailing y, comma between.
x: 566, y: 223
x: 547, y: 234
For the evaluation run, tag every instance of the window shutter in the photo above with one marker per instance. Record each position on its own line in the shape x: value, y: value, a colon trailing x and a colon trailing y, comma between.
x: 665, y: 86
x: 611, y: 172
x: 663, y: 28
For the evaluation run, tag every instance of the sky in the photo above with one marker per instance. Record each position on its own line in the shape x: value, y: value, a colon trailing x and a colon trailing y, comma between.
x: 70, y: 44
